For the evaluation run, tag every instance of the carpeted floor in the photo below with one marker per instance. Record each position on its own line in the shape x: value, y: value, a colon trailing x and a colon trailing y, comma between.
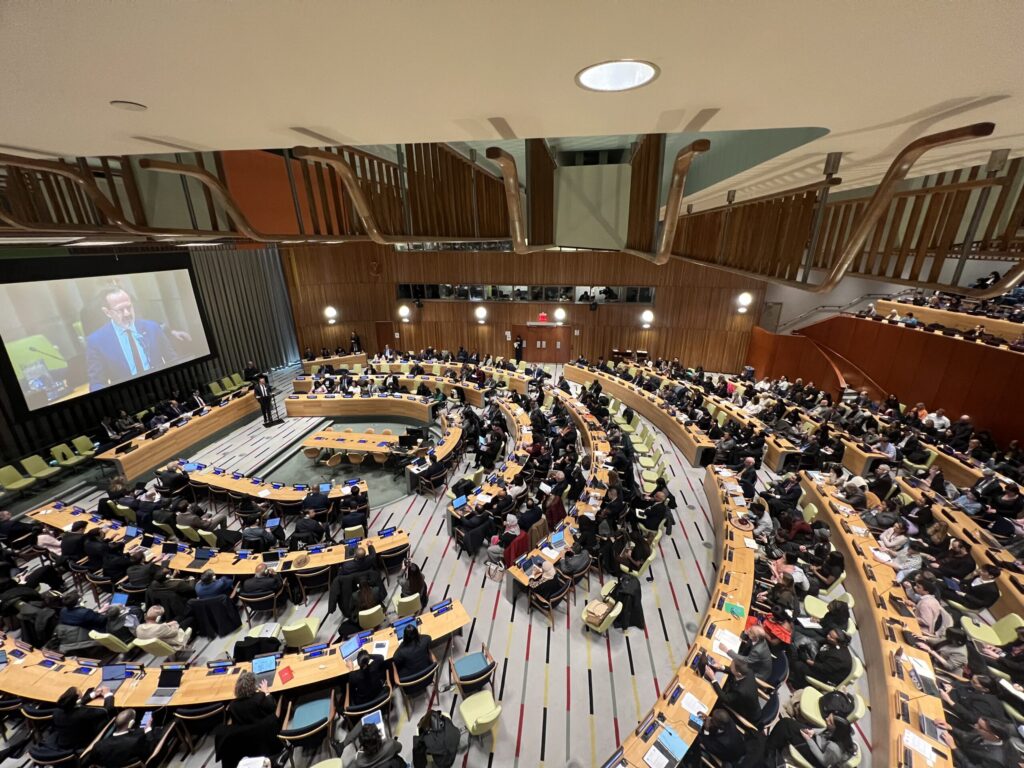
x: 567, y: 696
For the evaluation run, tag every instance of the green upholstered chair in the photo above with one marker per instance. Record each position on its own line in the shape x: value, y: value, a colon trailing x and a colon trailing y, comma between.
x: 216, y: 389
x: 12, y: 480
x: 238, y: 381
x: 65, y: 457
x: 84, y: 446
x: 38, y: 468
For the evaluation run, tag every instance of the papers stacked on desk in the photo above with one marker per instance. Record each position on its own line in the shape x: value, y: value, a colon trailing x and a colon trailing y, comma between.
x: 918, y: 744
x: 483, y: 498
x: 693, y: 705
x: 264, y: 493
x: 880, y: 555
x: 724, y: 642
x: 724, y: 472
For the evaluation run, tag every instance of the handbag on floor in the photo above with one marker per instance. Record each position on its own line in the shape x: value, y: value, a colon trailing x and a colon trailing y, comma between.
x: 495, y: 571
x: 596, y: 612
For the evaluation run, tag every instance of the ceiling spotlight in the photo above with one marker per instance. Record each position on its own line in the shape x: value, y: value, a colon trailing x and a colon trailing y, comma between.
x: 744, y: 299
x: 403, y: 312
x: 742, y: 310
x: 648, y: 317
x: 619, y: 75
x: 481, y: 314
x: 330, y: 313
x: 560, y: 315
x: 129, y: 106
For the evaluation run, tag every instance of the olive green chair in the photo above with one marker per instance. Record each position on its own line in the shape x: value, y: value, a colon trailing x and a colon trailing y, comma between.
x: 65, y: 457
x: 84, y: 446
x: 12, y: 480
x: 38, y: 468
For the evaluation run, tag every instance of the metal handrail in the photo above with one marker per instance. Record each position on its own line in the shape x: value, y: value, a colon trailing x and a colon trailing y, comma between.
x: 837, y: 308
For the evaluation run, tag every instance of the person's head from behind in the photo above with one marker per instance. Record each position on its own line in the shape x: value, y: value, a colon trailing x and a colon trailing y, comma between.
x: 154, y: 614
x: 411, y: 636
x: 739, y: 668
x: 70, y: 599
x: 245, y: 685
x: 207, y: 576
x: 68, y: 700
x: 117, y: 305
x: 363, y: 659
x: 124, y: 720
x: 370, y: 740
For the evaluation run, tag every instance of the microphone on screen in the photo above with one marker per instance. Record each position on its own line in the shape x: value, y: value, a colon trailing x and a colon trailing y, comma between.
x: 44, y: 353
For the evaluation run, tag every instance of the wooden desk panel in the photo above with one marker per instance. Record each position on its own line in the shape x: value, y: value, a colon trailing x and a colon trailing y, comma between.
x: 928, y: 315
x: 177, y: 441
x: 364, y: 442
x: 346, y: 361
x: 473, y: 393
x: 419, y: 409
x: 30, y: 681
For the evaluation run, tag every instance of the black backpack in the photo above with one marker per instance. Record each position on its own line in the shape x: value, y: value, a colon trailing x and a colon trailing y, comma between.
x: 440, y: 741
x: 836, y: 703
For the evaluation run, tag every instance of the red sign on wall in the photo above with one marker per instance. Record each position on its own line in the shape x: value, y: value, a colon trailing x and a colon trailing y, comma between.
x: 542, y: 317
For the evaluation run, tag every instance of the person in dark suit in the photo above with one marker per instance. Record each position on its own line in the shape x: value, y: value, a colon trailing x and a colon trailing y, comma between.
x: 72, y: 543
x: 740, y: 691
x: 979, y: 592
x: 126, y: 346
x: 75, y: 724
x: 366, y: 682
x: 308, y: 530
x: 719, y: 737
x: 315, y: 500
x: 250, y: 372
x: 140, y: 573
x: 413, y: 657
x: 211, y: 586
x: 125, y: 744
x: 262, y: 582
x: 265, y: 397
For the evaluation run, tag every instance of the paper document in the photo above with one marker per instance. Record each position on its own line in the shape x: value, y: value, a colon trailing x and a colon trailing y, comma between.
x: 549, y: 553
x: 921, y: 666
x: 880, y: 555
x: 655, y: 758
x: 693, y: 705
x: 725, y: 641
x: 381, y: 647
x: 749, y: 543
x: 809, y: 623
x: 917, y: 743
x: 858, y: 530
x: 264, y: 493
x: 483, y: 498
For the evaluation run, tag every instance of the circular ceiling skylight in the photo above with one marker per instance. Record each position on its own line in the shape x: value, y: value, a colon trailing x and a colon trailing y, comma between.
x: 620, y: 75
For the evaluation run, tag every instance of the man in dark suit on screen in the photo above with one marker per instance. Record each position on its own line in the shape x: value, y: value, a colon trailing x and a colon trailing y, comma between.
x: 127, y: 346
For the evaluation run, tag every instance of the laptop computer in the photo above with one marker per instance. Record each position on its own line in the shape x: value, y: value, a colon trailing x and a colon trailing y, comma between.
x: 167, y: 685
x: 264, y: 668
x: 325, y: 487
x: 459, y: 503
x: 119, y: 598
x: 202, y: 555
x: 114, y: 676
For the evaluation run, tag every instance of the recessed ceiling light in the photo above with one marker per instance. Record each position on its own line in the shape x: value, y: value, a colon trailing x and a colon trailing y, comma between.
x: 130, y: 106
x: 619, y: 75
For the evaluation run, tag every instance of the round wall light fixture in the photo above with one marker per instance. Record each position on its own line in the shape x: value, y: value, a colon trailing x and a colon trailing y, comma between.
x: 560, y: 315
x: 481, y: 314
x: 330, y: 313
x: 745, y: 299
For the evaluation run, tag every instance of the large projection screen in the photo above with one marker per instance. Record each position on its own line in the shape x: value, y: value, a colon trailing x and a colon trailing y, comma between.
x: 71, y: 337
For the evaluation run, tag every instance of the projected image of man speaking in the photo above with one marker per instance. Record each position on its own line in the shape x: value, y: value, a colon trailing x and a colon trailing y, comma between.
x: 126, y: 346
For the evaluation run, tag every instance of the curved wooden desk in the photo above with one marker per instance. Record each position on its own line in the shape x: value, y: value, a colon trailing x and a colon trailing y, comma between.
x: 345, y: 361
x: 176, y: 441
x: 726, y: 615
x: 29, y: 680
x: 412, y: 407
x: 880, y: 625
x: 984, y: 548
x: 694, y: 444
x: 474, y: 393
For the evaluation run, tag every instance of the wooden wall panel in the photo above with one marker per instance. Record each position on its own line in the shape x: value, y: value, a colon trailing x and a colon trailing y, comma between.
x: 775, y: 355
x: 540, y: 192
x: 695, y: 309
x: 942, y: 372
